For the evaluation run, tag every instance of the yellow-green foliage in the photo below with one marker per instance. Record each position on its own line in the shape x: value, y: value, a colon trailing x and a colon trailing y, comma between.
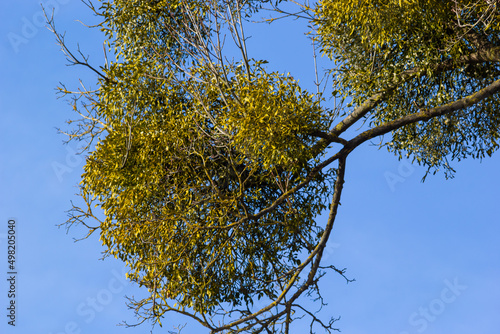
x: 199, y: 159
x: 271, y: 118
x: 186, y: 165
x: 415, y: 52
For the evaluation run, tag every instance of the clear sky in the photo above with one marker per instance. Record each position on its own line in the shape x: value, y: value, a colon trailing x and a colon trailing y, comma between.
x: 425, y: 256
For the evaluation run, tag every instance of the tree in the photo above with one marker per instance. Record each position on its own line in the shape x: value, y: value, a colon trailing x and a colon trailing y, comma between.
x: 210, y: 172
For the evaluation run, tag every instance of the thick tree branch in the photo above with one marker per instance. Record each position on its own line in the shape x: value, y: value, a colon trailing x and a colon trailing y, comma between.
x: 425, y: 115
x: 314, y: 257
x: 482, y: 56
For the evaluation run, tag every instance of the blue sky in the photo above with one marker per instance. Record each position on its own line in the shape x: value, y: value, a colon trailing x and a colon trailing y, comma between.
x: 425, y: 256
